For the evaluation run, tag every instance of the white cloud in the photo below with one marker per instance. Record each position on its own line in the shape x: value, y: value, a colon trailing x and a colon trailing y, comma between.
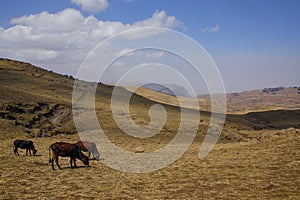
x: 142, y: 52
x: 61, y: 40
x: 211, y: 29
x: 160, y: 19
x: 93, y: 6
x: 157, y: 54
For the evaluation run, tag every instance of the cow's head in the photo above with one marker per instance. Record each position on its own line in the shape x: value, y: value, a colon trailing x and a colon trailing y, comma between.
x: 34, y: 151
x: 85, y: 161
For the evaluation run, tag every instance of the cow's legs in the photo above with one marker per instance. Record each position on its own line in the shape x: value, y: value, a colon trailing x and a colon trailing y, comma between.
x: 28, y: 150
x: 56, y: 160
x: 75, y: 162
x: 71, y: 162
x: 16, y: 151
x: 52, y: 161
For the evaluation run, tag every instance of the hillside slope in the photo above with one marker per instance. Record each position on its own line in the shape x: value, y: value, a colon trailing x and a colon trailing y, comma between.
x: 37, y: 102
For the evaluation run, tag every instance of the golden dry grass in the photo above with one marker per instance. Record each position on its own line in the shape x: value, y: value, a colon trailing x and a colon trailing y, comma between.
x: 243, y: 165
x: 266, y: 169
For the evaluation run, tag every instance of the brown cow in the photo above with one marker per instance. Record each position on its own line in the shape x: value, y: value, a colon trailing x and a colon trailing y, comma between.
x: 64, y: 149
x: 89, y: 147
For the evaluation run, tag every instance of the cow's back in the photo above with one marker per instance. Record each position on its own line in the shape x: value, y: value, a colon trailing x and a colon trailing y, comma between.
x: 63, y: 149
x: 23, y: 144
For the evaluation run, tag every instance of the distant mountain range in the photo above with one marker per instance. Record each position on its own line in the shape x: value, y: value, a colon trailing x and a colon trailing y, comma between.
x: 260, y: 100
x: 173, y: 90
x: 237, y: 103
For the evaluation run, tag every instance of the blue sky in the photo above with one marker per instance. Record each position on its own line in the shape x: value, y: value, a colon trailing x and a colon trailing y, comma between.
x: 255, y: 44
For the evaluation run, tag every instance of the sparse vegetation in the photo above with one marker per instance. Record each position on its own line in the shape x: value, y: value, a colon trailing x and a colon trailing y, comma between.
x: 273, y: 90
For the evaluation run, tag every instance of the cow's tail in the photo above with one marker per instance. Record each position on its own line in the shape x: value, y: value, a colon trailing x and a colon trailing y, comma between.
x: 50, y: 154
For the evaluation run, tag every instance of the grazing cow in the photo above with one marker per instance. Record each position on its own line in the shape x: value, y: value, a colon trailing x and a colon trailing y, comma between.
x: 24, y: 144
x: 89, y: 147
x: 64, y: 149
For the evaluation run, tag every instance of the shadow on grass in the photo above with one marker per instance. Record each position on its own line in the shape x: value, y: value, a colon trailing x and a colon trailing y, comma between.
x: 24, y: 155
x: 78, y: 167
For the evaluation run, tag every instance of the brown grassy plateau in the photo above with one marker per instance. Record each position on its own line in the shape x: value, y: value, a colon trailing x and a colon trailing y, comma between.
x: 267, y: 99
x: 257, y: 156
x: 237, y: 103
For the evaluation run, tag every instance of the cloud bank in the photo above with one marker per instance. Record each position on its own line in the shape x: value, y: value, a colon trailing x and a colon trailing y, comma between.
x: 60, y: 41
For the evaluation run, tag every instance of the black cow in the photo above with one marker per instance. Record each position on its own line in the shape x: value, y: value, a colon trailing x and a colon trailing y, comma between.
x: 24, y: 144
x: 64, y: 149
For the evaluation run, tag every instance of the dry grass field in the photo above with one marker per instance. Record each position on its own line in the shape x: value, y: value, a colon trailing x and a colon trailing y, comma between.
x: 256, y: 169
x: 257, y: 155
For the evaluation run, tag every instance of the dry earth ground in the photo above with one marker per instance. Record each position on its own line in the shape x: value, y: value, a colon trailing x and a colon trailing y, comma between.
x: 256, y: 169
